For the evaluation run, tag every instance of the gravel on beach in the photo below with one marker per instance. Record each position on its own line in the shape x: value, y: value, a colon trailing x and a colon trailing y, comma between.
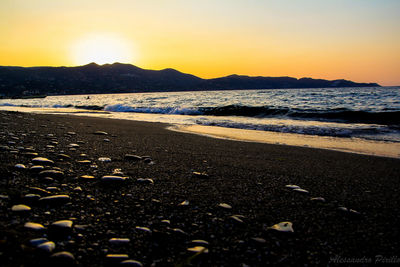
x: 92, y: 191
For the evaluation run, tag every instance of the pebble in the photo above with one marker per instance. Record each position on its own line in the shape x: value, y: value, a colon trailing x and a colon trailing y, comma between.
x: 73, y: 145
x: 178, y: 231
x: 4, y: 148
x: 300, y: 190
x: 100, y: 133
x: 52, y: 173
x: 133, y: 157
x: 292, y: 186
x: 48, y: 246
x: 55, y: 199
x: 156, y: 201
x: 64, y: 256
x: 200, y: 242
x: 34, y: 226
x: 39, y: 190
x: 52, y: 188
x: 317, y: 199
x: 184, y: 203
x: 20, y: 207
x: 148, y: 160
x: 145, y: 229
x: 32, y: 197
x: 62, y: 224
x: 145, y: 180
x: 37, y: 241
x: 87, y: 177
x: 198, y: 249
x: 30, y: 154
x: 78, y: 189
x: 85, y: 161
x: 20, y: 166
x: 224, y: 205
x: 81, y: 227
x: 41, y: 160
x: 64, y: 156
x: 349, y: 211
x: 132, y: 263
x: 283, y: 227
x: 119, y: 241
x: 117, y: 257
x: 104, y: 159
x: 117, y: 172
x: 47, y: 180
x: 237, y: 218
x: 113, y: 178
x: 37, y: 168
x: 200, y: 174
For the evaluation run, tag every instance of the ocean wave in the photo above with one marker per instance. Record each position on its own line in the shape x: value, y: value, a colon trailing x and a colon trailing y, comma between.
x: 342, y: 115
x: 332, y: 115
x: 154, y: 110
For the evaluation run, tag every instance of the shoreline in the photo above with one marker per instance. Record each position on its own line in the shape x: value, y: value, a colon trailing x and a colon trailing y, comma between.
x: 161, y: 226
x: 349, y: 145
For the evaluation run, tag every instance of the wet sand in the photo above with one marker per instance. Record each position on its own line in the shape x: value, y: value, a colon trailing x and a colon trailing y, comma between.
x: 352, y: 145
x: 250, y: 177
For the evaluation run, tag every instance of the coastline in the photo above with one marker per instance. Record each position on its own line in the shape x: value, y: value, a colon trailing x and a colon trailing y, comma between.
x: 250, y: 177
x: 343, y: 144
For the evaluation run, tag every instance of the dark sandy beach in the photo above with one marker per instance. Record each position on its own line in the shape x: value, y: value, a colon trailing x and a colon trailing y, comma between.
x: 249, y: 177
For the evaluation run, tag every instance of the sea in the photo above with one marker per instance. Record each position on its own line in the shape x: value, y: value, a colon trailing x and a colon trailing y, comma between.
x: 344, y: 115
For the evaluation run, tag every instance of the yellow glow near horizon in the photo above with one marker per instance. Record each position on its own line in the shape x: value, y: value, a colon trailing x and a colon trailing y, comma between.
x: 101, y: 49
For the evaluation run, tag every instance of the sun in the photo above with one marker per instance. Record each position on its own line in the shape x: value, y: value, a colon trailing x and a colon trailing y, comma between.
x: 102, y: 49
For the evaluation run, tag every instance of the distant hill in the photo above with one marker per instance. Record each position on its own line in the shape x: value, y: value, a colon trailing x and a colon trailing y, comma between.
x: 124, y: 78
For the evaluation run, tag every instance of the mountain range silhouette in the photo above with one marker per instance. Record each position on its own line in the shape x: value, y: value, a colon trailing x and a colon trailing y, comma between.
x: 125, y: 78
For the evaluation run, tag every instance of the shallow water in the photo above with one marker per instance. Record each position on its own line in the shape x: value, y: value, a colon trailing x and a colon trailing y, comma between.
x: 356, y: 115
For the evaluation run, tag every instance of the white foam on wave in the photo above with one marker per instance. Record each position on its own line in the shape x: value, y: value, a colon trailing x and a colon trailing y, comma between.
x: 153, y: 110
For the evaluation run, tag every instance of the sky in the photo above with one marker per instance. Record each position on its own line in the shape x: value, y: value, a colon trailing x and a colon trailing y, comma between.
x: 357, y: 40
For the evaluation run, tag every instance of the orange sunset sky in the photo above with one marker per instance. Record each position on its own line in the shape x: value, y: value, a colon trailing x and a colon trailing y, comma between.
x: 357, y: 40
